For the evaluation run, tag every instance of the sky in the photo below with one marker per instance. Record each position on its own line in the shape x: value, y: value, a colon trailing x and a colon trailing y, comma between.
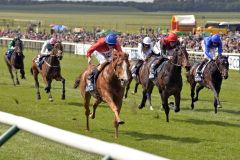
x: 109, y: 0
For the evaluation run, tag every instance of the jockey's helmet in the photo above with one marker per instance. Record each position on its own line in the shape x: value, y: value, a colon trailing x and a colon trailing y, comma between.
x: 147, y: 40
x: 111, y: 39
x: 52, y: 40
x: 216, y: 38
x: 17, y: 37
x: 172, y: 37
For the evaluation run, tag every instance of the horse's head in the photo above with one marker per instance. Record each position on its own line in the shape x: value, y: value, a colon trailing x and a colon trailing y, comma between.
x: 57, y: 50
x: 121, y: 66
x: 18, y: 47
x: 223, y: 65
x: 181, y: 57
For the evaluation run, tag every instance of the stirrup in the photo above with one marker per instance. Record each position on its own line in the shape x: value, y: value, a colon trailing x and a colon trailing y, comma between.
x: 89, y: 87
x: 134, y: 75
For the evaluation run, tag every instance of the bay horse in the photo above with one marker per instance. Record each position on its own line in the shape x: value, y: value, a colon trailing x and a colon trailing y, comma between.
x: 51, y: 69
x: 110, y: 87
x: 213, y: 74
x: 16, y: 62
x: 168, y: 80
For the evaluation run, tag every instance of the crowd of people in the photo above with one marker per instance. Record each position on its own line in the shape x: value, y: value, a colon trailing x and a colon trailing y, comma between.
x: 231, y: 41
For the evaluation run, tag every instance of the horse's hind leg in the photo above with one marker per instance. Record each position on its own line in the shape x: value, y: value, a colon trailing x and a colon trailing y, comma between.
x: 35, y: 75
x: 10, y: 71
x: 95, y: 104
x: 216, y: 98
x: 149, y: 96
x: 192, y: 86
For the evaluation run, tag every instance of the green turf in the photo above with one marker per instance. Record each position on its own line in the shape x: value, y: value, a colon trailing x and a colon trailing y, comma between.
x: 190, y: 134
x: 124, y: 19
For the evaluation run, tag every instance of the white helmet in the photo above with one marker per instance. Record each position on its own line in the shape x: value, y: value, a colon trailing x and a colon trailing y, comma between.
x: 147, y: 40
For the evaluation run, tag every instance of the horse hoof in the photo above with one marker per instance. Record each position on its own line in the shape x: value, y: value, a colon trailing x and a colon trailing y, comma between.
x: 140, y: 106
x: 63, y: 97
x: 50, y: 99
x: 133, y: 93
x: 91, y: 116
x: 219, y: 106
x: 151, y: 108
x: 120, y: 122
x: 177, y: 110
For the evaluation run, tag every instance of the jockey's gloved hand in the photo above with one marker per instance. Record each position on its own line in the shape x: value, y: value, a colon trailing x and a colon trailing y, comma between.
x: 89, y: 60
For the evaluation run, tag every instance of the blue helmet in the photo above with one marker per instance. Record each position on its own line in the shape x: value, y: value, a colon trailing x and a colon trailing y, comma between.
x: 216, y: 38
x: 111, y: 39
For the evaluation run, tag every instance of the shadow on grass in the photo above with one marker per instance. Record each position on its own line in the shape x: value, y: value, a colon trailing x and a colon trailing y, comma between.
x: 104, y: 105
x: 148, y: 136
x: 205, y: 122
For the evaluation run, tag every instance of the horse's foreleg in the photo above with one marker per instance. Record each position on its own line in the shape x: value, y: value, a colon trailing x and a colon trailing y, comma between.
x: 95, y: 104
x: 136, y: 88
x: 150, y: 88
x: 127, y: 88
x: 86, y: 102
x: 164, y: 98
x: 216, y: 92
x: 16, y: 74
x: 144, y: 99
x: 48, y: 90
x: 192, y: 86
x: 63, y: 88
x: 22, y: 73
x: 35, y: 74
x: 116, y: 122
x: 177, y: 97
x: 198, y: 89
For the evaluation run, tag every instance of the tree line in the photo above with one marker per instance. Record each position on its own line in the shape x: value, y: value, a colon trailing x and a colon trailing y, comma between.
x: 157, y: 5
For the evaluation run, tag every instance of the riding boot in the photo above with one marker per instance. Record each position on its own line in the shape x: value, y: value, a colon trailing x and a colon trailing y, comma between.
x: 91, y: 84
x: 199, y: 76
x: 152, y: 71
x: 134, y: 71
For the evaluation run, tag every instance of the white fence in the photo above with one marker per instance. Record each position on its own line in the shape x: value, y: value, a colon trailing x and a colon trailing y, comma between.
x: 80, y: 49
x: 92, y: 145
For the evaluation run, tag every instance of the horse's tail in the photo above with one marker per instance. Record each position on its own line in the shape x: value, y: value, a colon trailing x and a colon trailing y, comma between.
x: 77, y: 81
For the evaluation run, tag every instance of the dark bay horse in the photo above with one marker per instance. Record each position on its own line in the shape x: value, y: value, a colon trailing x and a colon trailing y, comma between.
x: 110, y: 87
x: 213, y: 75
x: 16, y: 62
x: 168, y: 80
x: 50, y: 70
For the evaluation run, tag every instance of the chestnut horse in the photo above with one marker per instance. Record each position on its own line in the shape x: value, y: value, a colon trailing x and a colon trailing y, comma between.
x: 50, y: 70
x: 110, y: 87
x: 16, y: 62
x: 213, y: 74
x: 168, y: 80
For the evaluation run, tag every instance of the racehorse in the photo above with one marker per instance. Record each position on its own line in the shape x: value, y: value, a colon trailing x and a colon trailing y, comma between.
x: 50, y: 70
x: 168, y: 80
x: 213, y: 74
x: 16, y: 62
x: 110, y: 87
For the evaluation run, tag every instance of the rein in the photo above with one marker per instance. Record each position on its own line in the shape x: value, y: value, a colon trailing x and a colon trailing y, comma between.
x: 49, y: 65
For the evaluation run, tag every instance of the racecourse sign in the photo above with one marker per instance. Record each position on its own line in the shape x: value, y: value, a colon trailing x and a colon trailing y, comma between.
x: 234, y: 62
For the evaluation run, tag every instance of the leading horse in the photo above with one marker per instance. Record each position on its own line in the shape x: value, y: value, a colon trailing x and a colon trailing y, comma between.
x: 110, y: 87
x: 168, y: 80
x: 213, y: 74
x: 50, y: 70
x: 16, y: 62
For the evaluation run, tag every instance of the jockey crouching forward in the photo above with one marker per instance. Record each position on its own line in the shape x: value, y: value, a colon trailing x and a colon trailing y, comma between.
x: 11, y: 46
x: 144, y: 52
x: 45, y: 51
x: 209, y: 45
x: 164, y: 47
x: 102, y: 50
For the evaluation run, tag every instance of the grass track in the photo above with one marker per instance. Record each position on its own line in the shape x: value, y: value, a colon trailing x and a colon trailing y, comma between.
x: 198, y: 134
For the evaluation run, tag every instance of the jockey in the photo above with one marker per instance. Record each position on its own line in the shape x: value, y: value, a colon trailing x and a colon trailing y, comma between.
x: 102, y: 50
x: 11, y: 46
x: 144, y: 52
x: 46, y: 50
x: 164, y: 47
x: 209, y: 45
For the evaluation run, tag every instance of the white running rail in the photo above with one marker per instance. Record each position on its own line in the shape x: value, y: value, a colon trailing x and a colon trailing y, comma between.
x: 92, y: 145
